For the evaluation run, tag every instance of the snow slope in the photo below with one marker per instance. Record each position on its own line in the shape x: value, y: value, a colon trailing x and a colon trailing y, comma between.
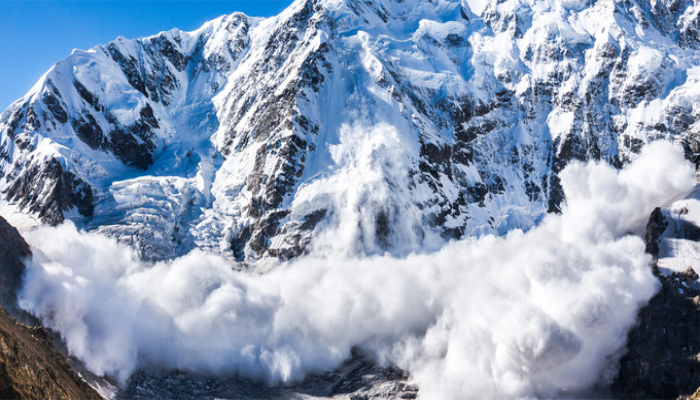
x: 400, y: 124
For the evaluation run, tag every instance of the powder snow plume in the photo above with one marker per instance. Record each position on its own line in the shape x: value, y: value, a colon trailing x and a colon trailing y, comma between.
x: 527, y: 314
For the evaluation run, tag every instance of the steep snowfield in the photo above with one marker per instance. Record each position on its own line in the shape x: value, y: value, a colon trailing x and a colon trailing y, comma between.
x: 411, y: 123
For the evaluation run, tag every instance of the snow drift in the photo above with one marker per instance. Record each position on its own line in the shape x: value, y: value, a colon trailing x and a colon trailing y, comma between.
x: 528, y: 314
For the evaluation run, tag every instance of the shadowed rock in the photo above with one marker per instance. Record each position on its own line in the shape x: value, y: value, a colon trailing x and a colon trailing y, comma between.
x: 663, y: 358
x: 30, y: 365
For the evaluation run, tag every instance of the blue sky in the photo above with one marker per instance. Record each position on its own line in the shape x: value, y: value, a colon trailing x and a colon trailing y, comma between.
x: 35, y: 34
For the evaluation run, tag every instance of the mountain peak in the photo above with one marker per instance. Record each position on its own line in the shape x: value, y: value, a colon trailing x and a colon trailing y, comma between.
x: 245, y: 126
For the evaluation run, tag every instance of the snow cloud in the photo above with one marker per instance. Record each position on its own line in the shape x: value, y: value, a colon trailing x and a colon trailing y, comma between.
x: 528, y: 314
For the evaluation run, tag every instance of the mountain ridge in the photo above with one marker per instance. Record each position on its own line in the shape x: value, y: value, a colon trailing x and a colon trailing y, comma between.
x: 235, y: 137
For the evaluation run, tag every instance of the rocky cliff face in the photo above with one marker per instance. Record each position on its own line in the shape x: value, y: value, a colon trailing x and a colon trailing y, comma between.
x: 30, y: 365
x: 446, y: 117
x: 662, y: 360
x: 663, y: 351
x: 32, y: 368
x: 13, y: 251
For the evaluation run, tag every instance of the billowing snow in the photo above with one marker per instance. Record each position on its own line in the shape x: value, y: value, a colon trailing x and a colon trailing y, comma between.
x: 527, y: 314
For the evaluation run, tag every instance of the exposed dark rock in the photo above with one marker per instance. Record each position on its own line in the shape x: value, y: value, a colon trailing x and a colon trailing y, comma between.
x: 690, y: 34
x: 265, y: 228
x: 296, y: 243
x: 663, y: 357
x: 454, y: 40
x: 691, y: 146
x: 311, y: 220
x: 14, y: 122
x: 239, y: 242
x: 435, y: 159
x: 32, y: 368
x: 30, y: 365
x: 147, y: 116
x: 48, y: 190
x: 130, y: 68
x: 13, y: 251
x: 477, y: 193
x: 131, y: 151
x: 161, y: 85
x: 90, y: 98
x: 310, y: 73
x: 289, y: 169
x: 655, y: 228
x: 286, y: 35
x: 133, y: 145
x: 167, y: 49
x: 632, y: 143
x: 33, y: 122
x: 54, y: 105
x: 564, y: 151
x: 257, y: 178
x: 88, y: 130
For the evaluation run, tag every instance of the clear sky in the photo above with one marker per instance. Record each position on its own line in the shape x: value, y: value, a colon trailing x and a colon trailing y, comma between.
x: 34, y: 34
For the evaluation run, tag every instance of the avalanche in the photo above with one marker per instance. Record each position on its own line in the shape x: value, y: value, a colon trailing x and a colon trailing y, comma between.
x: 379, y: 173
x: 528, y: 314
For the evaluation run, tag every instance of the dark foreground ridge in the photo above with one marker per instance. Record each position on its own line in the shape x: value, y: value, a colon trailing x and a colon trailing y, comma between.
x: 663, y: 361
x: 30, y: 365
x: 13, y: 249
x: 32, y: 368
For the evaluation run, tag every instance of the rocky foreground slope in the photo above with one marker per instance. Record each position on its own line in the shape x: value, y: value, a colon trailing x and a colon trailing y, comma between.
x: 30, y: 365
x: 32, y: 368
x: 664, y: 351
x: 13, y: 250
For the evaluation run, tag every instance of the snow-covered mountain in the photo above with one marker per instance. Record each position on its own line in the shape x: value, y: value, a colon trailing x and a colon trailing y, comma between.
x: 397, y: 124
